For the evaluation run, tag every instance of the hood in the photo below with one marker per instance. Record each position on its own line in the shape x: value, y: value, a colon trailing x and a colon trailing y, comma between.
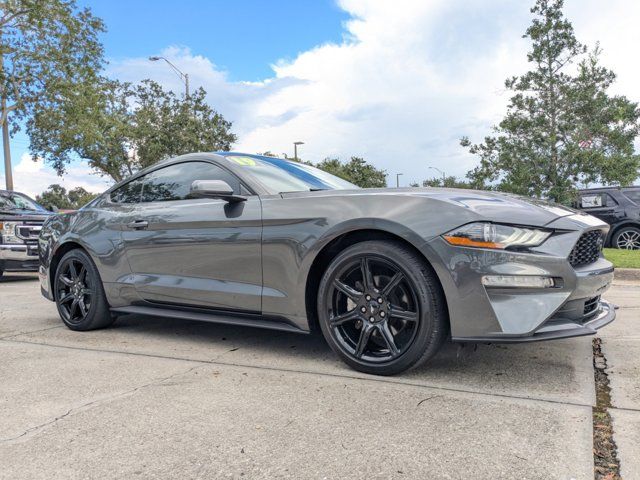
x: 490, y: 206
x: 501, y: 207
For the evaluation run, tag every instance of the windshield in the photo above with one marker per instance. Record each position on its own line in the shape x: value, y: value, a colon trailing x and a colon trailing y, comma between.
x: 280, y: 176
x: 16, y: 201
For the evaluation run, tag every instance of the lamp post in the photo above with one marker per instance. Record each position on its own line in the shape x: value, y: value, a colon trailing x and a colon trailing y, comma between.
x: 183, y: 76
x: 295, y: 150
x: 398, y: 179
x: 441, y: 172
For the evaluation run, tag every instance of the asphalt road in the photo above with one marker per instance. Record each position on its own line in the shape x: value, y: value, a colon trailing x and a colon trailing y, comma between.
x: 160, y: 398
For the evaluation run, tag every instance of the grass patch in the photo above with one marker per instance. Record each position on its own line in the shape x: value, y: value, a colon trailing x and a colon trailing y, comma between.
x: 623, y: 258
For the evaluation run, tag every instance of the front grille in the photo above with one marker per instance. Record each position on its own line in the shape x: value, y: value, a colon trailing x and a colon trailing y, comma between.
x: 588, y: 248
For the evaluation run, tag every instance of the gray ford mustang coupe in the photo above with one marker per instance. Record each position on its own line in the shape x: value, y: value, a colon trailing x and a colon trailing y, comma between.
x: 386, y: 274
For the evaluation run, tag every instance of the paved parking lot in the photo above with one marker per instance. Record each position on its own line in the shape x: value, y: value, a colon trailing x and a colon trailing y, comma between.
x: 158, y: 398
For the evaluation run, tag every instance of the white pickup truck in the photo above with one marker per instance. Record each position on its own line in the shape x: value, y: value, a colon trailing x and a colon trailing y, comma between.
x: 21, y: 220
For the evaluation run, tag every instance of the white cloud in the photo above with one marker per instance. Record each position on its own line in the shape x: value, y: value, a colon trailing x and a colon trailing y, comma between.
x: 410, y: 78
x: 33, y: 178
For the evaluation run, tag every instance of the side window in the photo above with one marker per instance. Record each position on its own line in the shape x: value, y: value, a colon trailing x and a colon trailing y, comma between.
x: 597, y: 200
x: 128, y: 193
x: 174, y: 182
x: 594, y: 200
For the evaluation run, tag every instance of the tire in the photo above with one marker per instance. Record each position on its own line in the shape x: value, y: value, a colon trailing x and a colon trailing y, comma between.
x: 79, y: 293
x: 627, y: 238
x: 394, y: 321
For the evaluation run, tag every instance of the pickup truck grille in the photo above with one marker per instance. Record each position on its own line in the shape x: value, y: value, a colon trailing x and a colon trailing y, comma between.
x: 588, y: 248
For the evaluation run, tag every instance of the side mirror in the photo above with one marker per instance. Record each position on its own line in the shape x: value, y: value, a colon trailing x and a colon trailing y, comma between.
x: 214, y: 189
x: 53, y: 209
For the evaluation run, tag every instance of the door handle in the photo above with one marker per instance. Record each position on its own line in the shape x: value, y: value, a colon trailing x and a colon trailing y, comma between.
x: 138, y: 225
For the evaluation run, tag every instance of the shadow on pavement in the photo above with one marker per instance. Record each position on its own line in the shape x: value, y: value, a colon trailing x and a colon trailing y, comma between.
x: 14, y: 277
x: 559, y: 369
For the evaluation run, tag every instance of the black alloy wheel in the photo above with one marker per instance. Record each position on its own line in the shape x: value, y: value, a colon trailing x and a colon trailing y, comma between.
x: 79, y: 294
x: 75, y: 291
x: 381, y: 308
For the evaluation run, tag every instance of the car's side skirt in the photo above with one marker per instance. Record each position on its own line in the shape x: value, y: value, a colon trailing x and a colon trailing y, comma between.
x: 256, y: 321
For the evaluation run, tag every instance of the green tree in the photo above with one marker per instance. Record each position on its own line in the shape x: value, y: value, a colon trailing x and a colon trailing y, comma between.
x: 126, y: 128
x: 356, y: 171
x: 57, y: 196
x: 49, y: 50
x: 447, y: 182
x: 562, y: 127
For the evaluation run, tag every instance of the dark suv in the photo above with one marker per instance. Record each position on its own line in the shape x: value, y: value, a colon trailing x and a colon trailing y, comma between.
x: 21, y: 220
x: 620, y: 208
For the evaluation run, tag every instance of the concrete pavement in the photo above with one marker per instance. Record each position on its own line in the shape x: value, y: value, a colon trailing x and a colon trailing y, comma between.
x: 158, y: 398
x: 621, y: 347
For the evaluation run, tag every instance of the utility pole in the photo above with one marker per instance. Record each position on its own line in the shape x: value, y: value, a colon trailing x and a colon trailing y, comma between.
x: 398, y: 179
x: 8, y: 175
x: 295, y: 150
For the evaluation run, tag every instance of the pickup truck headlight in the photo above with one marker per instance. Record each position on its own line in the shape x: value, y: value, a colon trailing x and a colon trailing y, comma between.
x: 493, y: 235
x: 8, y: 233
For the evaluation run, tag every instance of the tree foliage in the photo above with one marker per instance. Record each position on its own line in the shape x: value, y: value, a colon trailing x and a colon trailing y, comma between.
x: 126, y: 128
x: 49, y: 50
x: 447, y: 182
x: 562, y: 127
x: 356, y: 171
x: 58, y: 196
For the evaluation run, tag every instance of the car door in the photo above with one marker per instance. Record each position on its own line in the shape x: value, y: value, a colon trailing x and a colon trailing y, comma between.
x: 195, y: 252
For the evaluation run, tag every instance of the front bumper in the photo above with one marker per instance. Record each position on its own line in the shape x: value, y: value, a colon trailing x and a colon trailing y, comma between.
x: 484, y: 314
x: 556, y: 329
x: 19, y: 258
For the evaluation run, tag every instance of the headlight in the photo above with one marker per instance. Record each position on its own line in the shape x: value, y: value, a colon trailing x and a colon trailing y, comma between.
x: 491, y: 235
x: 8, y: 232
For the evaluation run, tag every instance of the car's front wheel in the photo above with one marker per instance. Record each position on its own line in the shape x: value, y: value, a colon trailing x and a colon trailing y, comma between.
x: 79, y: 294
x: 627, y: 238
x: 381, y: 308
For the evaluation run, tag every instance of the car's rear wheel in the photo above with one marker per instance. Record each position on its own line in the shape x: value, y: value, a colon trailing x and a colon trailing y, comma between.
x: 627, y: 238
x: 381, y: 308
x: 79, y: 294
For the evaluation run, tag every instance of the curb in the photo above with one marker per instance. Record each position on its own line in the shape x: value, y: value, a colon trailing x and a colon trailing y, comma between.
x: 630, y: 274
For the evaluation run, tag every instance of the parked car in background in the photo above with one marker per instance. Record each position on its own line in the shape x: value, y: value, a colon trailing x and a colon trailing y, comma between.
x: 21, y: 220
x: 620, y: 208
x: 386, y: 274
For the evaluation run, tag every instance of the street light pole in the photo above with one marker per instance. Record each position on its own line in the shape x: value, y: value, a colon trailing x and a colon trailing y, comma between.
x: 183, y: 76
x: 398, y: 179
x: 444, y: 177
x: 295, y: 150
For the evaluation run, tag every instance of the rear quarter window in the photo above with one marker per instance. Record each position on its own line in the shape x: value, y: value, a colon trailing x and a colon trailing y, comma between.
x: 633, y: 195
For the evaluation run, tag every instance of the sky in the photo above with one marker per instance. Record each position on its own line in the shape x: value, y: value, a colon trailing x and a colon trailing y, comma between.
x: 398, y: 83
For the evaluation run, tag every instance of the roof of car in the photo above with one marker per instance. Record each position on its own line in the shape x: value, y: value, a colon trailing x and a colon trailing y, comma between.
x: 609, y: 188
